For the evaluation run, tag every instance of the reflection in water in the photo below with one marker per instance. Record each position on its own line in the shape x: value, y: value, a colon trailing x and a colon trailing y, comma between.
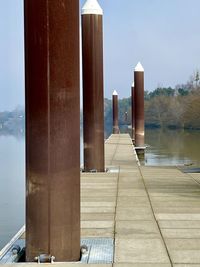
x: 172, y: 147
x: 12, y: 188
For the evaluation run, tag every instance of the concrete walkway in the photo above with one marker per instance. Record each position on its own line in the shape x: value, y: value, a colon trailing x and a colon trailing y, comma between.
x: 152, y: 213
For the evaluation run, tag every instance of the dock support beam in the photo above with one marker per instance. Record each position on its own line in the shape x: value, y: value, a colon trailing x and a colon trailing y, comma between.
x: 93, y: 93
x: 115, y: 113
x: 133, y: 111
x: 139, y: 105
x: 52, y: 129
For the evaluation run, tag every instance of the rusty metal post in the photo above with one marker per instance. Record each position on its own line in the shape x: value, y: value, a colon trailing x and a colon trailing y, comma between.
x: 115, y: 113
x: 126, y: 116
x: 133, y: 111
x: 139, y: 105
x: 93, y: 95
x: 52, y: 129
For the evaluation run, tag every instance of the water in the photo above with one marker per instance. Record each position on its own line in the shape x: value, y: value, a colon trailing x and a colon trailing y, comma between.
x: 172, y: 147
x: 165, y: 148
x: 12, y: 186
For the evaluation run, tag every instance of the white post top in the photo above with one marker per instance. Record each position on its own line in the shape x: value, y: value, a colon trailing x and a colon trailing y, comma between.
x: 133, y: 84
x: 92, y: 7
x: 139, y: 67
x: 115, y: 93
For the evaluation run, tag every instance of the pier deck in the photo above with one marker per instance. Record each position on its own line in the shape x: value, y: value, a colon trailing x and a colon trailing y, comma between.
x: 151, y: 213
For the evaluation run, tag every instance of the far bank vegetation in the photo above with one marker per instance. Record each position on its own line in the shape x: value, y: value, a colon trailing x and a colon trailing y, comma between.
x: 177, y: 107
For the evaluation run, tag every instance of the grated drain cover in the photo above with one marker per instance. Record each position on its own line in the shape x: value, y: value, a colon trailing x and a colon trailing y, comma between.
x: 100, y: 250
x: 112, y: 169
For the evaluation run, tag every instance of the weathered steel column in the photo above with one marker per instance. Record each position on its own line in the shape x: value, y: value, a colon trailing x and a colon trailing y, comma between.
x: 133, y: 111
x: 52, y: 129
x: 139, y: 105
x: 115, y: 113
x: 93, y: 95
x: 126, y: 116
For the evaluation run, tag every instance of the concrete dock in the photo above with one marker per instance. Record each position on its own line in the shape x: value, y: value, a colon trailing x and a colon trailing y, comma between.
x: 151, y: 213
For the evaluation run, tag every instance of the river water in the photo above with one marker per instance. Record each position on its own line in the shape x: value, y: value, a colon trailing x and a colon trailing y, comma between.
x: 165, y: 147
x: 12, y: 186
x: 172, y: 147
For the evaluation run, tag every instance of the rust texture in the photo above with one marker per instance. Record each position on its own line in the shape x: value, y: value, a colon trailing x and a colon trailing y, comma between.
x: 52, y: 129
x: 126, y: 116
x: 115, y: 114
x: 139, y: 108
x: 93, y: 95
x: 133, y: 112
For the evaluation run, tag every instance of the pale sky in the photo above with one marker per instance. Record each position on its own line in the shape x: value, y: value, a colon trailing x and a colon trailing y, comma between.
x: 163, y: 34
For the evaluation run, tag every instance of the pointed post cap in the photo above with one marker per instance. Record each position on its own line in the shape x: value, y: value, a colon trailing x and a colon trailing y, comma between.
x: 92, y: 7
x: 139, y: 68
x: 115, y: 93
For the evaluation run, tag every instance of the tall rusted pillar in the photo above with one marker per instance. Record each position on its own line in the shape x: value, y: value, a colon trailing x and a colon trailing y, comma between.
x: 115, y: 113
x: 133, y: 111
x: 52, y: 129
x: 93, y: 95
x: 139, y: 105
x: 126, y: 116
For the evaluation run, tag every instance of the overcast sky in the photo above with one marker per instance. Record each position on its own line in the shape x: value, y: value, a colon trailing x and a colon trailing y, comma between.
x: 163, y: 34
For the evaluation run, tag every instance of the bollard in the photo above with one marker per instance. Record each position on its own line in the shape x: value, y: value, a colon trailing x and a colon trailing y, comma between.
x: 52, y: 129
x: 139, y: 105
x: 115, y: 113
x: 126, y: 116
x: 93, y: 93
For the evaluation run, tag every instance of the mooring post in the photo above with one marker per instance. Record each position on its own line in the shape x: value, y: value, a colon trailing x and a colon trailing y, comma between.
x: 139, y: 105
x: 115, y: 113
x: 126, y: 116
x: 52, y: 129
x: 133, y: 111
x: 93, y: 92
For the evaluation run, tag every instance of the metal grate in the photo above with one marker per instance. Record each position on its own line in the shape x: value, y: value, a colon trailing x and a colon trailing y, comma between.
x: 112, y: 169
x: 100, y: 251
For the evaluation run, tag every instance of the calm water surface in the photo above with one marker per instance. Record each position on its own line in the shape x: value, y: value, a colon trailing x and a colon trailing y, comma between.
x: 12, y: 186
x: 172, y: 147
x: 164, y: 148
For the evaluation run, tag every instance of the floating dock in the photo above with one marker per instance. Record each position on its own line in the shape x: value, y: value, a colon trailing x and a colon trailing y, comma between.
x: 136, y: 216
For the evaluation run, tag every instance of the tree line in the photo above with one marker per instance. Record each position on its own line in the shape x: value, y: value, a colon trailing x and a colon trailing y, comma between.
x: 12, y: 122
x: 177, y: 107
